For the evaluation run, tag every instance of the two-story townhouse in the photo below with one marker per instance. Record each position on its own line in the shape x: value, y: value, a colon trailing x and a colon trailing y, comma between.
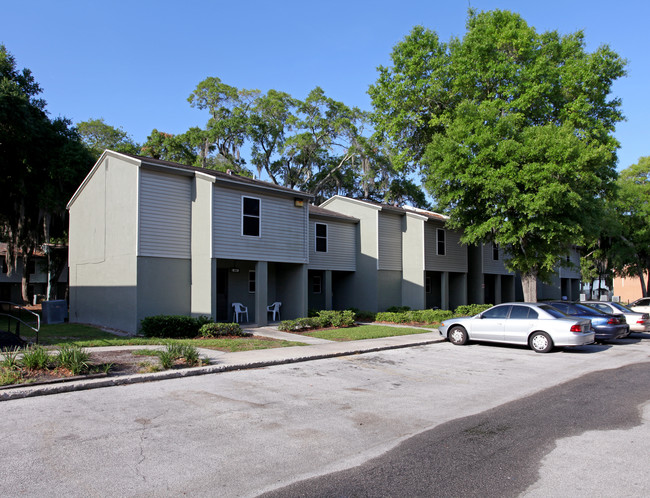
x: 333, y: 240
x: 565, y: 281
x: 154, y: 237
x: 489, y: 280
x: 405, y: 256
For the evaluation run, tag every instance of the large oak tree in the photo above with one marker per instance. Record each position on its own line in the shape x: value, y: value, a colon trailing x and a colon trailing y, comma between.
x: 512, y: 130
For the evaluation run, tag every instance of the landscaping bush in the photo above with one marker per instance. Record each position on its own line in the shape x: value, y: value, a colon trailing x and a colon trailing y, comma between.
x: 398, y: 309
x: 36, y: 358
x: 74, y: 358
x: 338, y: 319
x: 364, y: 316
x: 414, y: 316
x: 212, y: 330
x: 172, y: 326
x: 471, y: 309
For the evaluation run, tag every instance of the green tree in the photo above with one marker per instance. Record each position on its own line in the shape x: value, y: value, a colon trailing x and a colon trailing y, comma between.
x: 42, y: 162
x: 512, y: 130
x: 99, y: 136
x: 630, y: 243
x: 169, y: 147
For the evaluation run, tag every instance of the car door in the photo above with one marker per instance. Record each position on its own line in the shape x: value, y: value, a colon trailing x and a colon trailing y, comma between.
x: 642, y: 305
x: 519, y: 324
x: 491, y: 324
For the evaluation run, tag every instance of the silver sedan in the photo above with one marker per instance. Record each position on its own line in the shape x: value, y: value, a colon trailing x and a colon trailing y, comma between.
x: 638, y: 322
x: 539, y: 326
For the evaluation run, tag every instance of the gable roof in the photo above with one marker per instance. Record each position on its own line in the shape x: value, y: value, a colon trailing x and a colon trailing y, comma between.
x: 183, y: 169
x: 389, y: 208
x: 326, y: 213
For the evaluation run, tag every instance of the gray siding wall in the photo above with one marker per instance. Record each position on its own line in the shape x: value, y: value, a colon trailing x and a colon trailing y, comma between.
x: 390, y: 241
x: 389, y: 285
x: 413, y: 274
x: 283, y: 228
x: 341, y: 246
x: 491, y: 265
x: 163, y: 287
x: 165, y: 215
x: 455, y: 258
x: 574, y: 271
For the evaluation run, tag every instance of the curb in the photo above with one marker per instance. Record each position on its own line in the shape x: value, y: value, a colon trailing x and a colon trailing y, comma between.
x: 47, y: 389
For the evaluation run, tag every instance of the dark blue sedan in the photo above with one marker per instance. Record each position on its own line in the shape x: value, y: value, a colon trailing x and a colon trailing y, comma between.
x: 606, y: 325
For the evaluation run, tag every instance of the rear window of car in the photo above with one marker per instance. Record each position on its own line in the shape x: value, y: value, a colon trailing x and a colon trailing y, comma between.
x: 581, y: 308
x: 552, y: 311
x: 621, y: 308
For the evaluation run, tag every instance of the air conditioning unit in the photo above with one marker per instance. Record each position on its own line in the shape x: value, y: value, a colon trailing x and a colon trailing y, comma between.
x: 616, y: 299
x: 55, y: 311
x: 583, y: 297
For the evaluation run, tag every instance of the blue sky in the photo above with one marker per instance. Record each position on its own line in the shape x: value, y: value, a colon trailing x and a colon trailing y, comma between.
x: 134, y: 63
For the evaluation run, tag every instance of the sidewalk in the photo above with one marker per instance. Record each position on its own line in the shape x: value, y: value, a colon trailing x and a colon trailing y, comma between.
x: 225, y: 362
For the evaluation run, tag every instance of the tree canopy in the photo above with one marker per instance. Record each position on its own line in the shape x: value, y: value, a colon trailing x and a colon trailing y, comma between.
x: 512, y: 130
x: 99, y: 136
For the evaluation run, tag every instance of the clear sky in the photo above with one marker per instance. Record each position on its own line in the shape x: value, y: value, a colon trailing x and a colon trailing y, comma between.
x: 134, y: 63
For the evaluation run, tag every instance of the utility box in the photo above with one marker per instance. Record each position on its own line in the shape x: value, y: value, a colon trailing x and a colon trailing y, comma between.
x: 54, y: 311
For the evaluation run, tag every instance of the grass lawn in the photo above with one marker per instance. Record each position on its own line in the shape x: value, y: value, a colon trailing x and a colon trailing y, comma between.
x: 87, y: 336
x: 364, y: 332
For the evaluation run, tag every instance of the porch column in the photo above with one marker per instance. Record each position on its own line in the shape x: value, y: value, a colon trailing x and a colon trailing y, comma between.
x: 261, y: 292
x: 203, y: 276
x: 444, y: 290
x: 328, y: 289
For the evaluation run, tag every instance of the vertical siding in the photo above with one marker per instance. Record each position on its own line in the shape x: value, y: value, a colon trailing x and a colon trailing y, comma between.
x: 341, y: 246
x: 390, y: 241
x: 455, y: 257
x: 282, y: 227
x: 165, y: 215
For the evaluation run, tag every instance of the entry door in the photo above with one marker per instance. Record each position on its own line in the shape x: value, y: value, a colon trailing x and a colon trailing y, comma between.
x: 222, y: 295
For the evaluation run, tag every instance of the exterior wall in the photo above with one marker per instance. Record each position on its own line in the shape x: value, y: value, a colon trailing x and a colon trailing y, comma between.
x: 341, y: 246
x: 475, y: 280
x: 362, y: 286
x: 413, y: 274
x: 317, y: 301
x: 283, y: 227
x: 163, y: 287
x: 165, y: 214
x: 573, y: 270
x: 628, y: 288
x: 203, y: 283
x: 455, y: 258
x: 389, y: 241
x: 491, y: 265
x: 389, y: 284
x: 103, y: 240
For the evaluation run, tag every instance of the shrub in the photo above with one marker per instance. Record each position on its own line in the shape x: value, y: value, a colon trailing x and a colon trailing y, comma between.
x: 222, y: 329
x: 365, y: 316
x: 471, y: 309
x: 414, y: 316
x: 398, y: 309
x: 74, y: 358
x: 35, y: 358
x: 176, y: 351
x: 336, y: 318
x: 10, y: 359
x: 172, y: 326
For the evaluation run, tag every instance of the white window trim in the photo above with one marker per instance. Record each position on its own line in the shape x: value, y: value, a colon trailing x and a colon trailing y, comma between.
x: 251, y: 273
x: 327, y: 233
x: 444, y: 253
x: 259, y: 218
x: 319, y: 279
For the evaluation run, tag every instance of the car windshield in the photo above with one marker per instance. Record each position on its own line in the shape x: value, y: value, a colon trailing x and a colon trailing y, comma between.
x: 552, y: 311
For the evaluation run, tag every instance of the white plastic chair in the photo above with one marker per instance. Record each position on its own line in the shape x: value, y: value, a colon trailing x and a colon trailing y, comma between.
x: 275, y: 309
x: 239, y: 309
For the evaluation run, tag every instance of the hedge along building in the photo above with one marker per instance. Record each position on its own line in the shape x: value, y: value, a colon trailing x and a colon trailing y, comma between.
x: 152, y: 237
x: 405, y: 256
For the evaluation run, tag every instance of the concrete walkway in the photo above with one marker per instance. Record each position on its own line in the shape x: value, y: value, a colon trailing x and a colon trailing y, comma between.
x: 225, y: 362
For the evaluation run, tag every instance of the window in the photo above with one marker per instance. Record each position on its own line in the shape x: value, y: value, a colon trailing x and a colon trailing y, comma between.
x: 317, y: 284
x: 321, y: 237
x: 427, y: 285
x: 440, y: 242
x: 523, y: 312
x: 497, y: 312
x: 251, y: 281
x: 250, y: 216
x: 495, y: 252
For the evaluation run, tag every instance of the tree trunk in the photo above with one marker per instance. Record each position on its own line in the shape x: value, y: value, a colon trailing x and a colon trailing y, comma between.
x: 529, y: 284
x: 24, y: 281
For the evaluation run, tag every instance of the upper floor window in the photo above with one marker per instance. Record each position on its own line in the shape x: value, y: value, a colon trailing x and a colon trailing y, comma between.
x: 321, y: 237
x: 251, y: 216
x: 440, y: 242
x: 495, y: 252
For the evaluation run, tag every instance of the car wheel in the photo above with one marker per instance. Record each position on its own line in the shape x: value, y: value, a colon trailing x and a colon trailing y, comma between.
x: 540, y: 342
x: 457, y: 335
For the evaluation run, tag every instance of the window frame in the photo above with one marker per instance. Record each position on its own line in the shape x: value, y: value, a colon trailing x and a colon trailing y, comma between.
x: 251, y: 280
x: 258, y: 217
x: 317, y: 280
x: 495, y: 252
x: 438, y: 241
x: 317, y: 237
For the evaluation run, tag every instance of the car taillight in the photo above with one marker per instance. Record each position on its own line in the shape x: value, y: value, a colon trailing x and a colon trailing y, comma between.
x: 641, y: 322
x: 613, y: 321
x: 576, y: 328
